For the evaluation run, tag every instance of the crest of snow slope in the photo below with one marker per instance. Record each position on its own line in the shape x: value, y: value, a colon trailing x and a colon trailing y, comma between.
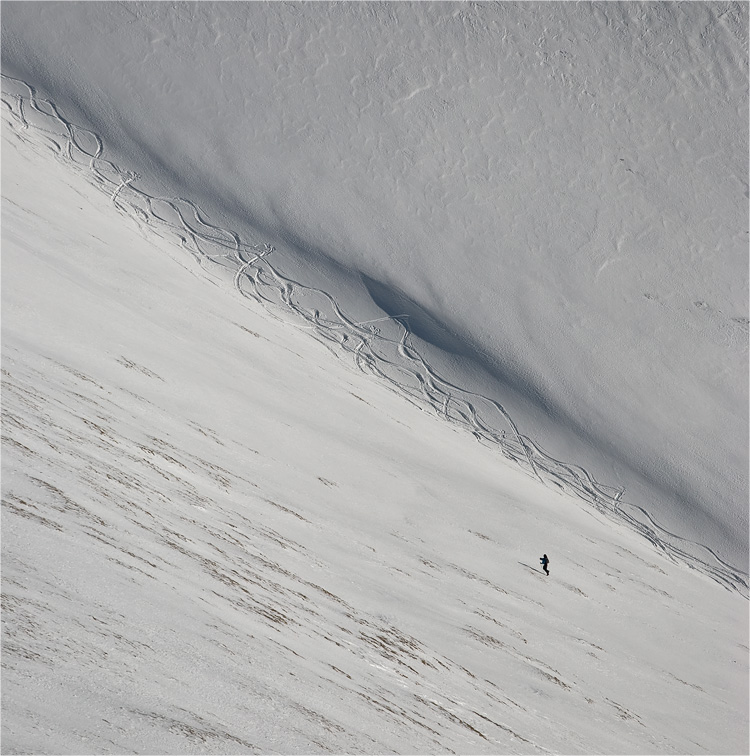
x: 558, y: 191
x: 218, y: 538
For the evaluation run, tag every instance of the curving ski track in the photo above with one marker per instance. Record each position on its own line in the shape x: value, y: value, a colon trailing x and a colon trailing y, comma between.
x: 384, y: 350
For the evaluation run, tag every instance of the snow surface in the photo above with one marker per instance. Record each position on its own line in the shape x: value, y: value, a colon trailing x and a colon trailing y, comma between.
x: 559, y: 189
x: 217, y: 537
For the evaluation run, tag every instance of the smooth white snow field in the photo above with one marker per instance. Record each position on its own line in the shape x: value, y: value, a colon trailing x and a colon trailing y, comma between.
x: 321, y: 323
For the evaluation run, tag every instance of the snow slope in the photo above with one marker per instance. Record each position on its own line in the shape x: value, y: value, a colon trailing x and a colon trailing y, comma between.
x: 555, y: 195
x: 219, y: 538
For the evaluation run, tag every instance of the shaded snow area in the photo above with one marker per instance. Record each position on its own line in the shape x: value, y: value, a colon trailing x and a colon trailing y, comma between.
x: 321, y: 323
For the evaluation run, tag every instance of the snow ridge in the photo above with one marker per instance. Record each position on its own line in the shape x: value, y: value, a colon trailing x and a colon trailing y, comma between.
x: 386, y: 351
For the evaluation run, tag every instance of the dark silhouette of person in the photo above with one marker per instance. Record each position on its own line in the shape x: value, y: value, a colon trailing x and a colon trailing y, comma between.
x: 545, y: 561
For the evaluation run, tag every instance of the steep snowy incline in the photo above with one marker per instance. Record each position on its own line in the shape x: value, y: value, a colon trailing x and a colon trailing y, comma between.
x: 554, y: 194
x: 382, y: 346
x: 219, y: 539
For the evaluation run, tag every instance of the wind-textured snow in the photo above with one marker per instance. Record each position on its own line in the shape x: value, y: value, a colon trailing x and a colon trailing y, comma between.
x: 217, y: 537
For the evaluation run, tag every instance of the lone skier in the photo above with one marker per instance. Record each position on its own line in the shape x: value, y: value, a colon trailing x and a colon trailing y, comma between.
x: 545, y: 561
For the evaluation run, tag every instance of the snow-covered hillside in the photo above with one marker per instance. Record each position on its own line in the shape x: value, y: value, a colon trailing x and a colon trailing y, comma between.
x: 281, y: 448
x: 219, y: 538
x: 555, y: 193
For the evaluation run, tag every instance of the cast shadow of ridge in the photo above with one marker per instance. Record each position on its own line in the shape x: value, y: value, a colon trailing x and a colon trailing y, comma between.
x: 428, y: 328
x: 415, y: 318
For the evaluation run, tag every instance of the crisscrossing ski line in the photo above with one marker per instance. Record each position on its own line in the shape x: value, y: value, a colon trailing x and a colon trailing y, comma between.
x: 386, y: 351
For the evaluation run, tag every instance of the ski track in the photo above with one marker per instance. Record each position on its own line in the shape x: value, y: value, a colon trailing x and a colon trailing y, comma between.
x: 385, y: 351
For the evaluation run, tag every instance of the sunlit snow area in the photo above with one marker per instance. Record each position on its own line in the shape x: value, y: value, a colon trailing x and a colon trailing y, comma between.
x: 321, y: 323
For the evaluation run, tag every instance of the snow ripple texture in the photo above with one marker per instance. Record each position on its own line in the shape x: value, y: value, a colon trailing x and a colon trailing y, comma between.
x: 381, y: 347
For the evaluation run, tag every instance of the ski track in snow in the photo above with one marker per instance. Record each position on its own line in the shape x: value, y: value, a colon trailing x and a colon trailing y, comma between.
x: 382, y: 347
